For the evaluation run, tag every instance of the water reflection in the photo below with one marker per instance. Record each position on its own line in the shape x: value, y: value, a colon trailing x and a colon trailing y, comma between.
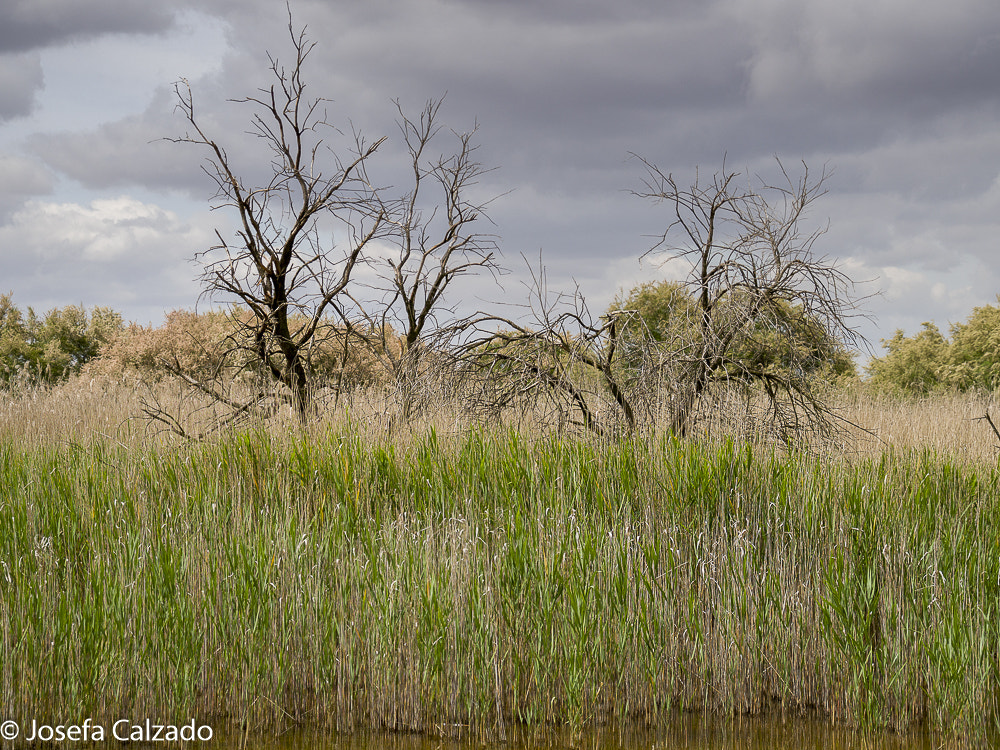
x: 688, y: 733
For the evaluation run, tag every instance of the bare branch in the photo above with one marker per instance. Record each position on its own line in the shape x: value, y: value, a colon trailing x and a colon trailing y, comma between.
x: 762, y: 292
x: 278, y: 268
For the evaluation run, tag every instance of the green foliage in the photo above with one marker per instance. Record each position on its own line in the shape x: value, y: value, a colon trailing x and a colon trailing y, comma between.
x: 50, y: 348
x: 927, y: 361
x: 974, y: 354
x: 13, y: 338
x: 788, y: 337
x: 666, y: 313
x: 913, y: 364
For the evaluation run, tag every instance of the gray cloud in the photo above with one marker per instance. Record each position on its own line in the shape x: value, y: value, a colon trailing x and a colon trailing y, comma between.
x: 132, y: 151
x: 30, y: 24
x: 902, y: 101
x: 20, y: 80
x: 20, y: 180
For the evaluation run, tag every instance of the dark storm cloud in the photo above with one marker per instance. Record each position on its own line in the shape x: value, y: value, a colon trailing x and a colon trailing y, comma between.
x: 901, y: 100
x: 561, y: 98
x: 29, y: 24
x: 561, y: 74
x: 148, y: 150
x: 563, y: 91
x: 891, y: 57
x: 575, y: 86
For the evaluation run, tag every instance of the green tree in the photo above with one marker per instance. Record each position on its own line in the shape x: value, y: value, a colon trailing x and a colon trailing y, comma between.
x: 759, y: 315
x: 770, y: 310
x: 69, y: 337
x: 14, y: 349
x: 50, y: 348
x: 667, y: 313
x: 789, y: 339
x: 663, y: 311
x: 912, y: 364
x: 973, y: 357
x: 928, y: 361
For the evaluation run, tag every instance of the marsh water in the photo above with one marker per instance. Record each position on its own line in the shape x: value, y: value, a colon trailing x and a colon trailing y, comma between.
x: 687, y: 733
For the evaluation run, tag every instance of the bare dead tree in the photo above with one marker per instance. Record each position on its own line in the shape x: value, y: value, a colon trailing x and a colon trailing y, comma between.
x: 561, y: 357
x: 760, y: 321
x: 279, y: 268
x: 759, y: 287
x: 435, y: 240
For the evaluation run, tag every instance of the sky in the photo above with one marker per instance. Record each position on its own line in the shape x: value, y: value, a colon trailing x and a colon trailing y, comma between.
x: 898, y: 100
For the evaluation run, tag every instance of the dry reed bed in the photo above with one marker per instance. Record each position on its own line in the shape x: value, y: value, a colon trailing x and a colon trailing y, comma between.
x: 464, y: 584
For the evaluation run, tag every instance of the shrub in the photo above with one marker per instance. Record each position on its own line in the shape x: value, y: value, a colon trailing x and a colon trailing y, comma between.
x: 927, y: 361
x: 912, y: 364
x: 50, y: 348
x: 973, y: 359
x: 215, y: 344
x: 667, y: 313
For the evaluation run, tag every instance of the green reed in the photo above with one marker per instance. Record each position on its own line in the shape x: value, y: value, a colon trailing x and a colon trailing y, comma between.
x: 461, y: 585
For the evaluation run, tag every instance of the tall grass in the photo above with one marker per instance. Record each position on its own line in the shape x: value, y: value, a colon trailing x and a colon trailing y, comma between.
x: 464, y: 584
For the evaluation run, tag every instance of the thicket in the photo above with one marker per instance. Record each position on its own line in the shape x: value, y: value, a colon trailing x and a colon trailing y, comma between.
x: 658, y: 325
x: 213, y: 345
x: 928, y: 361
x: 666, y: 314
x: 48, y: 348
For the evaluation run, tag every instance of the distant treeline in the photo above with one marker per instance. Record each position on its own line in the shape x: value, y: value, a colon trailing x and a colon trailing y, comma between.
x: 49, y: 348
x: 46, y: 349
x: 927, y: 361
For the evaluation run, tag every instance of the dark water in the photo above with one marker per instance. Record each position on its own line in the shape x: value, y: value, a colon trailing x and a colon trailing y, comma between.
x: 687, y: 734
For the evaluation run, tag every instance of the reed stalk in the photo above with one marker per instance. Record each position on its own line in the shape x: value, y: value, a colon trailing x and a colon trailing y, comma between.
x: 462, y: 585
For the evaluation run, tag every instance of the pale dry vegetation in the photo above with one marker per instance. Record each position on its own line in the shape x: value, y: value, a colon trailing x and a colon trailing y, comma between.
x: 948, y: 424
x: 108, y: 399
